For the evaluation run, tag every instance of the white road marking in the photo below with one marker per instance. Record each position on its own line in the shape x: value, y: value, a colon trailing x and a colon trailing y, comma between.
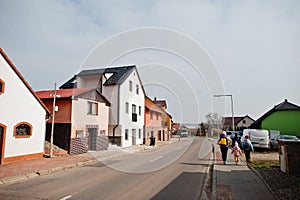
x: 156, y: 159
x: 179, y: 148
x: 67, y: 197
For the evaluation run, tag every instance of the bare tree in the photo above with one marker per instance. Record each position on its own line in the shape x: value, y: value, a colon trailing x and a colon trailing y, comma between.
x: 214, y: 120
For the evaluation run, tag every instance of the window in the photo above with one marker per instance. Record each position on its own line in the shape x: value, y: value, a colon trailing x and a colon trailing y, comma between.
x: 140, y: 110
x: 137, y: 89
x: 151, y: 114
x: 79, y: 133
x: 133, y: 109
x: 140, y: 133
x: 156, y: 116
x: 23, y: 130
x: 134, y: 115
x: 102, y: 132
x: 92, y: 108
x: 130, y: 86
x: 127, y: 107
x: 126, y: 134
x: 2, y: 84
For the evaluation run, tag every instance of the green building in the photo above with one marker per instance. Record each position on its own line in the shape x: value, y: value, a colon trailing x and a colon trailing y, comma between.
x: 284, y: 117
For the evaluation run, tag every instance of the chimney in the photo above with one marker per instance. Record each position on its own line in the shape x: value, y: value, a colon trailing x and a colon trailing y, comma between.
x: 285, y: 100
x: 154, y: 99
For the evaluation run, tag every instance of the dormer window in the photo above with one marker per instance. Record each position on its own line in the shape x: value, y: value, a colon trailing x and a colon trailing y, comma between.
x: 2, y: 84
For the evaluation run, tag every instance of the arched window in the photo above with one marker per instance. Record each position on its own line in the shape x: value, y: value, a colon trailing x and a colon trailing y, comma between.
x: 2, y: 84
x: 23, y: 130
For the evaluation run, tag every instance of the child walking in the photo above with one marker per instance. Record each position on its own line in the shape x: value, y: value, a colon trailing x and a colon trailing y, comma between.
x: 236, y: 151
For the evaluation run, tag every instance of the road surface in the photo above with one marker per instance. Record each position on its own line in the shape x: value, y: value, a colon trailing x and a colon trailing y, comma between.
x: 176, y: 171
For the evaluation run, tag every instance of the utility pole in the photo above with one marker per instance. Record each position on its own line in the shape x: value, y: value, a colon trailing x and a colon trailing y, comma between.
x: 53, y: 118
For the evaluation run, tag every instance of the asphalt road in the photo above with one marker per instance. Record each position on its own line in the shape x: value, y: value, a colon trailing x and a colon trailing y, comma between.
x: 176, y: 171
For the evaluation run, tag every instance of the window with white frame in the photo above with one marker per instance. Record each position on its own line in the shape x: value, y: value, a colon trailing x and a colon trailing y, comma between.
x: 140, y: 110
x: 126, y: 134
x: 126, y: 107
x: 133, y: 109
x: 140, y: 133
x: 137, y: 89
x: 130, y: 86
x: 92, y: 108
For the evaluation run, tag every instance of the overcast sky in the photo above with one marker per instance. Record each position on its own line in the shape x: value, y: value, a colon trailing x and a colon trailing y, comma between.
x: 253, y: 46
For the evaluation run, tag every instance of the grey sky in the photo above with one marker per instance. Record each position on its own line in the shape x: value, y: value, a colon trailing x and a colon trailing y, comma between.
x: 254, y: 45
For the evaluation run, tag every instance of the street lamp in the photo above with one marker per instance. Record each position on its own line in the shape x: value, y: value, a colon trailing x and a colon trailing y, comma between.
x: 228, y: 95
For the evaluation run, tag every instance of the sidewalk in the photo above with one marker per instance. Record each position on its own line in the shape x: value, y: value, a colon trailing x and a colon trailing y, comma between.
x: 233, y: 181
x: 21, y: 170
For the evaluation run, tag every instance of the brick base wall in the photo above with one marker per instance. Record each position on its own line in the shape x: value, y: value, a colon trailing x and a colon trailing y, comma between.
x: 78, y: 145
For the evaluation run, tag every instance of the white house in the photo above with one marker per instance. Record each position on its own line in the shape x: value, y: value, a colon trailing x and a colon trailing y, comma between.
x: 22, y: 118
x: 122, y: 86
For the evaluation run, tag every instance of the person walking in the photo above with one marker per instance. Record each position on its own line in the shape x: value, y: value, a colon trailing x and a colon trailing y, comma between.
x: 223, y: 142
x: 248, y: 147
x: 236, y: 151
x: 237, y: 139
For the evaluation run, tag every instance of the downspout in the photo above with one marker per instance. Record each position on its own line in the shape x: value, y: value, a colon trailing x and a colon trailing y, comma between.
x: 118, y: 117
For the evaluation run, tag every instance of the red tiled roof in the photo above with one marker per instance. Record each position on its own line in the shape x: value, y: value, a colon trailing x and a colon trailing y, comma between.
x: 64, y: 93
x: 14, y: 68
x: 152, y: 106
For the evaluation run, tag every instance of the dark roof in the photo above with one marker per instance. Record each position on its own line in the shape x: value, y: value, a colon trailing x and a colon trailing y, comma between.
x: 69, y: 84
x: 285, y: 105
x: 228, y: 120
x: 119, y: 74
x: 14, y: 68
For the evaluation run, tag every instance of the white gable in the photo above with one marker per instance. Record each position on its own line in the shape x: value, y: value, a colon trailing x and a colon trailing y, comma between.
x: 18, y: 104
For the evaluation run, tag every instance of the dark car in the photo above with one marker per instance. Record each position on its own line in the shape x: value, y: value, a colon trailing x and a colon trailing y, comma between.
x: 274, y: 141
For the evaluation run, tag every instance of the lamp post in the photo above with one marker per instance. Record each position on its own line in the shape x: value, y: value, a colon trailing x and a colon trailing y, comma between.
x: 228, y: 95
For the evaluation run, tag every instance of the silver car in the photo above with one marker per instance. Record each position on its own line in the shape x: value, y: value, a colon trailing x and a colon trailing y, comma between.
x: 274, y: 141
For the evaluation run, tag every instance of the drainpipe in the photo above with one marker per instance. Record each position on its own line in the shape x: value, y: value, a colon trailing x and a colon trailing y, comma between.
x: 118, y: 117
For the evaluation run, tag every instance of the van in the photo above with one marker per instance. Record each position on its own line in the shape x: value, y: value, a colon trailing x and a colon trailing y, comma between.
x: 259, y: 138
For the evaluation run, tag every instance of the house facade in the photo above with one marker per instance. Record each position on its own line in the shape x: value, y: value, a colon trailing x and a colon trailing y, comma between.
x: 154, y: 126
x: 284, y: 117
x: 23, y: 116
x: 122, y: 86
x: 81, y: 121
x: 240, y: 123
x: 166, y: 120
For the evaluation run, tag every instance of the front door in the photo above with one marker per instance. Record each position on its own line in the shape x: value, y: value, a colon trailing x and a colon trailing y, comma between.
x: 92, y: 138
x: 2, y: 129
x: 133, y: 136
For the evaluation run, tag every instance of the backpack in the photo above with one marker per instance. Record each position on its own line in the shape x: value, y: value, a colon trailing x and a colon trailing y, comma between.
x: 246, y: 145
x: 223, y: 141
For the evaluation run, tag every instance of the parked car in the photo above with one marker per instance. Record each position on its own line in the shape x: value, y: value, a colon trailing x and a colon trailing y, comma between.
x: 259, y: 138
x: 274, y: 141
x: 184, y: 134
